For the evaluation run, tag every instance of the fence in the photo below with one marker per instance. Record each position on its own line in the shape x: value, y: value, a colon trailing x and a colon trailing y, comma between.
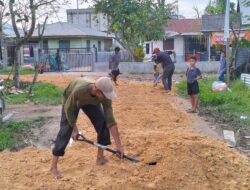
x: 141, y: 67
x: 104, y: 56
x: 243, y: 60
x: 73, y: 59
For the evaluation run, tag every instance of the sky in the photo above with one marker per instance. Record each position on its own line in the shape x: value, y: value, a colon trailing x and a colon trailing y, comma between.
x: 185, y: 7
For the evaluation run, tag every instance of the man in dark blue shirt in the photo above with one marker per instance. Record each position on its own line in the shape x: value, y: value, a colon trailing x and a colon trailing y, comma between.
x: 167, y: 66
x: 223, y: 66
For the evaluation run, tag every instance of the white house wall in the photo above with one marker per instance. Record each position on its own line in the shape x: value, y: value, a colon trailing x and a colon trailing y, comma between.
x: 179, y: 48
x: 157, y: 44
x: 77, y: 43
x: 152, y: 45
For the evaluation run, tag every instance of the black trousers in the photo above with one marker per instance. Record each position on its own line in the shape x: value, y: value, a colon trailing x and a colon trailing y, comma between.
x: 96, y: 116
x: 114, y: 74
x: 168, y: 72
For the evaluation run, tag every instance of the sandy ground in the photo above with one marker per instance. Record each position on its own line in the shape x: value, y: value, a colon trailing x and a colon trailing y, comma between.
x: 155, y: 128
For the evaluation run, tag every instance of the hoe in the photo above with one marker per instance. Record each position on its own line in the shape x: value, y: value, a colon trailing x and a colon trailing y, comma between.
x: 82, y: 138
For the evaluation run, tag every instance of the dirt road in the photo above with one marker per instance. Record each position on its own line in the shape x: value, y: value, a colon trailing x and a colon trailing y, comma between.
x: 154, y: 128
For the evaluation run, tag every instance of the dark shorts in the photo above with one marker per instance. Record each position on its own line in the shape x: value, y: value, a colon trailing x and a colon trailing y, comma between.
x: 193, y: 88
x: 115, y: 72
x: 96, y: 116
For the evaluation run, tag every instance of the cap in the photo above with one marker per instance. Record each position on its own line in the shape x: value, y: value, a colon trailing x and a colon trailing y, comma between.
x: 106, y: 86
x: 156, y: 50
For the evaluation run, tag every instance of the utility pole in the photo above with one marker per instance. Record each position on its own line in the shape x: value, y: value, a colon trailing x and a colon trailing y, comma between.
x: 77, y: 5
x: 177, y: 9
x: 226, y: 38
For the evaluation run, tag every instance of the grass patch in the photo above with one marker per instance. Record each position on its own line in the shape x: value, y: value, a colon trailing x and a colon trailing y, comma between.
x: 230, y: 106
x: 44, y: 93
x: 23, y: 71
x: 11, y: 131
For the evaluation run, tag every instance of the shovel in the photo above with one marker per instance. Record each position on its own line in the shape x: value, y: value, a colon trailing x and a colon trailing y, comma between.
x: 82, y: 138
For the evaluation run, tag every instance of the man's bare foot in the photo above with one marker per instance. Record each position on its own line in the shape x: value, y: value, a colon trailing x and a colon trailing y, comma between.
x: 101, y: 161
x: 56, y: 174
x: 191, y: 111
x: 166, y: 91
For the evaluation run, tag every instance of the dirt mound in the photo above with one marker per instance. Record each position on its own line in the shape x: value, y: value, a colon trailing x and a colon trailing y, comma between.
x: 152, y: 128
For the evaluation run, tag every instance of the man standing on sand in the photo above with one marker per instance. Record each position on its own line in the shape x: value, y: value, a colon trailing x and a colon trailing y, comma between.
x: 114, y: 61
x: 167, y: 66
x: 95, y: 100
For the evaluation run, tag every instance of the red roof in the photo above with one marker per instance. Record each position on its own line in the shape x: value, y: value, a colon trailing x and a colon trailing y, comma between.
x: 184, y: 25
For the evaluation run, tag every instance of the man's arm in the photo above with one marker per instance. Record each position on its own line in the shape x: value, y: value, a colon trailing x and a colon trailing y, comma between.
x: 116, y: 135
x: 199, y: 76
x: 70, y: 109
x: 111, y: 124
x: 174, y: 54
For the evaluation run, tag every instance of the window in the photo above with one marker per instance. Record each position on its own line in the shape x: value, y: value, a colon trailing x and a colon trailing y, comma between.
x: 168, y: 44
x: 88, y: 44
x: 147, y: 48
x: 195, y: 44
x: 64, y: 45
x: 99, y: 46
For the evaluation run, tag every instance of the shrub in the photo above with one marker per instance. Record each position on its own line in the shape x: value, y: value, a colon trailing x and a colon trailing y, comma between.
x: 139, y: 54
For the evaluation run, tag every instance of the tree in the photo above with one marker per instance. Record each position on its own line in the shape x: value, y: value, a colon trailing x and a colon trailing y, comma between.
x: 197, y: 11
x: 25, y: 13
x: 4, y: 18
x: 235, y: 26
x: 134, y: 22
x: 210, y: 9
x: 37, y: 64
x: 218, y: 7
x: 246, y: 3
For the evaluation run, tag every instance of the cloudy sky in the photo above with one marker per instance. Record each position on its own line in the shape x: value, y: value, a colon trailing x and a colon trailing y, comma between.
x: 185, y: 7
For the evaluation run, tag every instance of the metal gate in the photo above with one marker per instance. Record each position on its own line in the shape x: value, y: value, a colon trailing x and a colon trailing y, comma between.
x: 68, y: 60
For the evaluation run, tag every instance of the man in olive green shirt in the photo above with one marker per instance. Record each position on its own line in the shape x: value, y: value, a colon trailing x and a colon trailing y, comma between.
x: 95, y: 100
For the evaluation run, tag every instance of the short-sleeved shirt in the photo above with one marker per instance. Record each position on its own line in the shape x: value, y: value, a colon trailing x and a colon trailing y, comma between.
x: 192, y: 74
x: 77, y: 94
x: 223, y: 65
x: 164, y: 59
x: 114, y: 60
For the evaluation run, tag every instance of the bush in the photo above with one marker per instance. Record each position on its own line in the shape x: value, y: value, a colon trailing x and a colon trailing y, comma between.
x: 139, y: 54
x: 244, y: 43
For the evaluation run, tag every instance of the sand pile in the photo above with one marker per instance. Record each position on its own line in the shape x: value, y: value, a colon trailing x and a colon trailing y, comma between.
x: 153, y: 129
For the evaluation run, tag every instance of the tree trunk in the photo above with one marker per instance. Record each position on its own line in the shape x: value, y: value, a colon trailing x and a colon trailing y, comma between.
x: 34, y: 79
x: 16, y: 76
x: 130, y: 51
x: 235, y: 48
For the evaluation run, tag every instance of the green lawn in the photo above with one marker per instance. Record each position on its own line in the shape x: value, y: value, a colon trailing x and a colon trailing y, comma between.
x: 44, y: 93
x: 230, y: 106
x: 23, y: 71
x: 11, y: 131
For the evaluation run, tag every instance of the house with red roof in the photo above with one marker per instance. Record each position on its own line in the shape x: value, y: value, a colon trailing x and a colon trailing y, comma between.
x: 185, y: 37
